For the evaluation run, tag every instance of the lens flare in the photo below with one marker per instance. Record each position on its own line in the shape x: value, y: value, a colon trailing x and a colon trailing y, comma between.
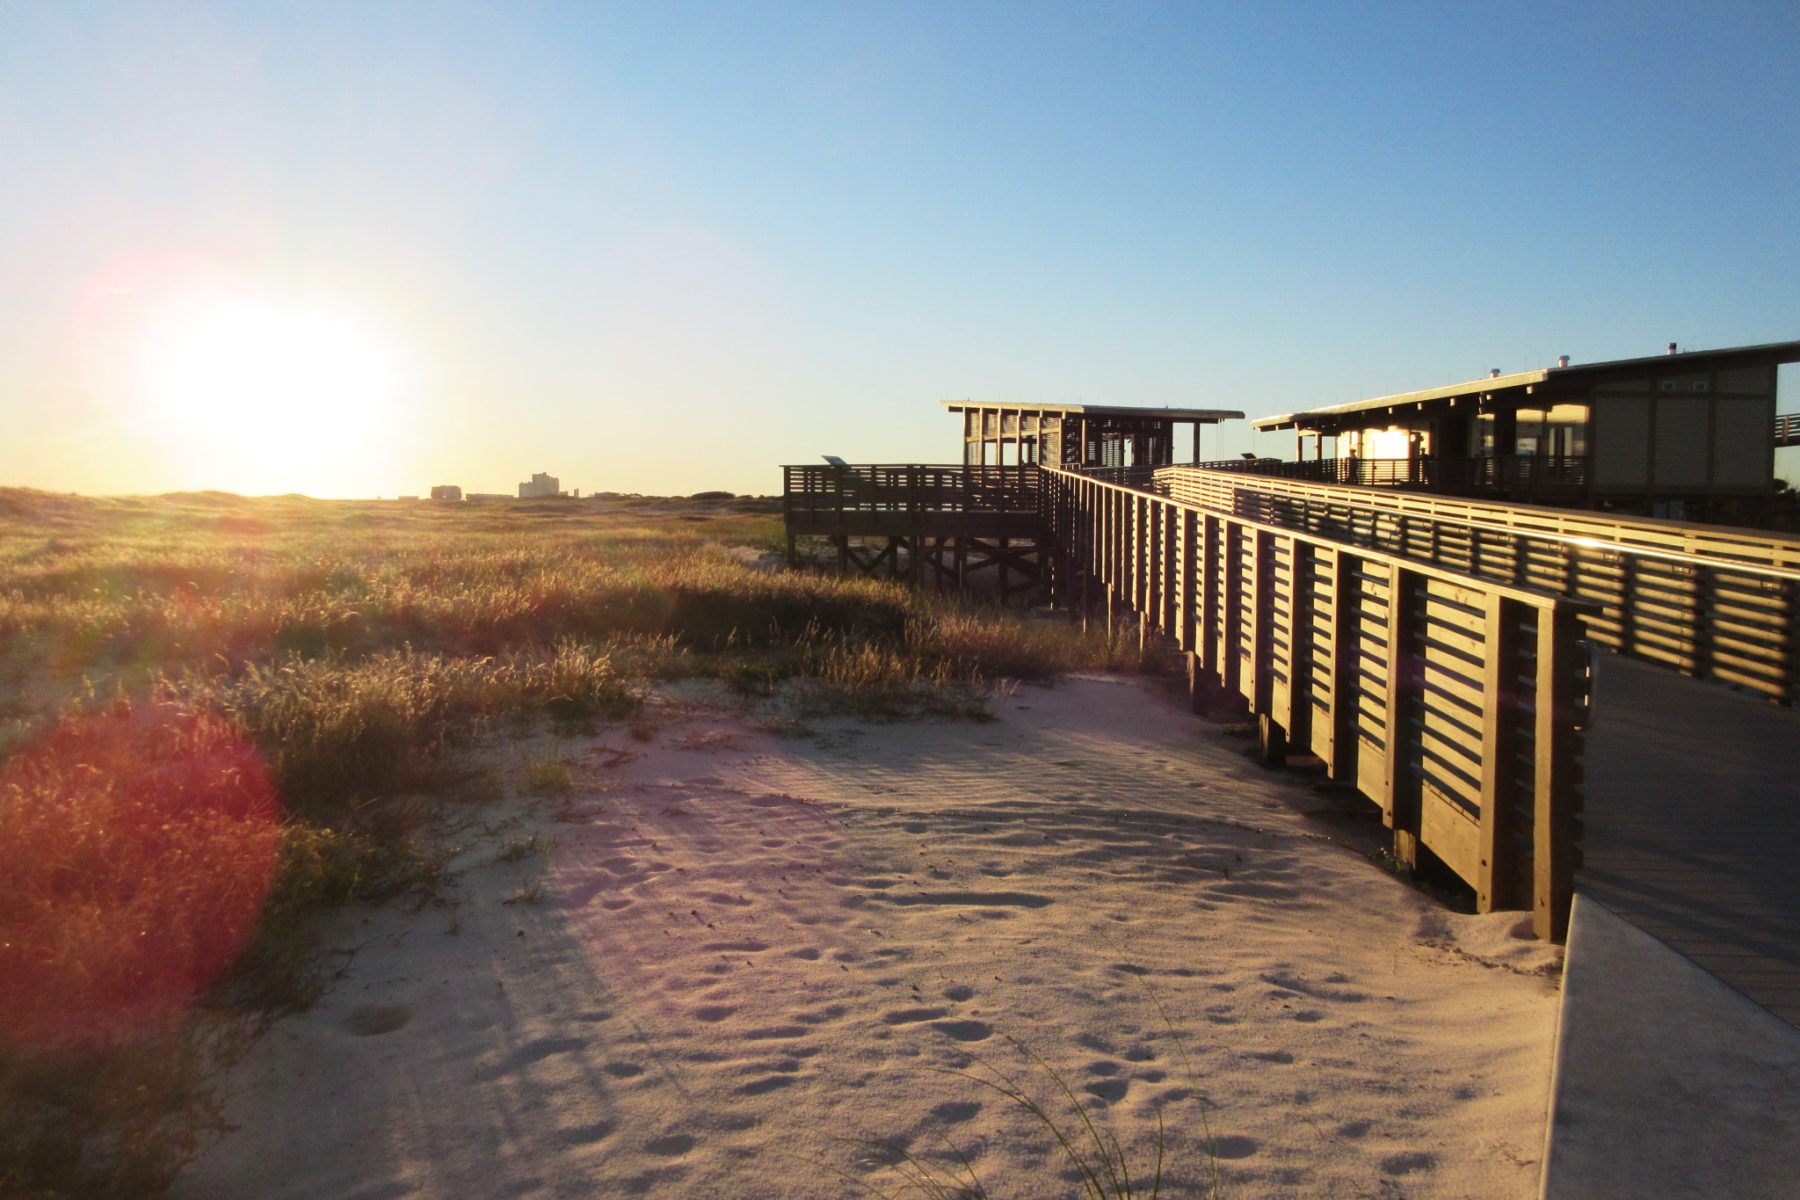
x: 137, y: 849
x: 237, y: 384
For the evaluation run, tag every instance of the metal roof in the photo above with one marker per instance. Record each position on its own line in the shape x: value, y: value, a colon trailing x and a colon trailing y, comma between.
x: 1203, y: 415
x: 1575, y: 373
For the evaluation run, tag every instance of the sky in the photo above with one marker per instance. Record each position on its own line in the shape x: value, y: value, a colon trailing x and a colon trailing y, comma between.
x: 362, y: 249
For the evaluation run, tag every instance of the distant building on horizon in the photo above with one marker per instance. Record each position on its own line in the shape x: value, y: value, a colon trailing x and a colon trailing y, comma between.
x: 446, y: 491
x: 541, y: 487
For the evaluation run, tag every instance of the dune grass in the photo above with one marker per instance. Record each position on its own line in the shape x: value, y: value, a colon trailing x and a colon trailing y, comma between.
x: 251, y: 702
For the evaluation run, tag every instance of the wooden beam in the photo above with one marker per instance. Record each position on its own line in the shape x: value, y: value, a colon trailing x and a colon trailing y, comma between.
x: 1496, y: 871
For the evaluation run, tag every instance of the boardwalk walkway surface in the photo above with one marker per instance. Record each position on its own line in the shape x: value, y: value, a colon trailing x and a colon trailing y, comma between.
x: 1693, y: 824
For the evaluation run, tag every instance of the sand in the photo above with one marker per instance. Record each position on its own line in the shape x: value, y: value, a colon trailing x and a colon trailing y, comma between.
x: 764, y: 966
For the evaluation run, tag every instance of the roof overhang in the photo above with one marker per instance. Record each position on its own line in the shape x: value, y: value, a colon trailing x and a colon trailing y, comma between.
x: 1526, y: 383
x: 1202, y: 415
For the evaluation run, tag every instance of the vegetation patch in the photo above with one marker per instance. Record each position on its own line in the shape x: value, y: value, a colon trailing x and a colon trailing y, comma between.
x: 223, y: 715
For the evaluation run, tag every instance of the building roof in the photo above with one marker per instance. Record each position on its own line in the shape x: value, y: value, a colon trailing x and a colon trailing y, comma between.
x: 1526, y: 382
x: 1203, y: 415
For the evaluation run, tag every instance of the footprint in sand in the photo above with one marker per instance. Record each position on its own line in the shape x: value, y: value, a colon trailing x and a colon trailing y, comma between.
x: 714, y: 1012
x: 769, y: 1083
x: 586, y: 1135
x: 955, y: 1112
x: 371, y: 1020
x: 964, y: 1031
x: 623, y: 1070
x: 912, y: 1016
x: 1110, y: 1090
x: 1233, y: 1147
x: 669, y: 1145
x: 959, y: 993
x: 1406, y: 1164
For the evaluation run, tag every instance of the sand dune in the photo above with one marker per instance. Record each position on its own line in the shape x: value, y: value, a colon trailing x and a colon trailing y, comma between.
x: 765, y: 967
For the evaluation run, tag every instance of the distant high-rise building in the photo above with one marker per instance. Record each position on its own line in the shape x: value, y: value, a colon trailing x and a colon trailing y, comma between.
x: 541, y: 486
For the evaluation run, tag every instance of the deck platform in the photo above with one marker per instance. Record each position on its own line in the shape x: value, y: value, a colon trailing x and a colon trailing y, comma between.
x: 1693, y: 824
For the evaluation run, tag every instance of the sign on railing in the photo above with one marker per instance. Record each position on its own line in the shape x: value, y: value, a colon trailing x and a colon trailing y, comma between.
x: 1455, y: 704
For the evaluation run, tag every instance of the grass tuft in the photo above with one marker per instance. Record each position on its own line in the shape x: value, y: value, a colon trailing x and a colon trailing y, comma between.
x: 220, y: 716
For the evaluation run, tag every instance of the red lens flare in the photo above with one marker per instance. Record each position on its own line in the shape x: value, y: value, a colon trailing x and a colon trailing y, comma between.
x: 136, y: 850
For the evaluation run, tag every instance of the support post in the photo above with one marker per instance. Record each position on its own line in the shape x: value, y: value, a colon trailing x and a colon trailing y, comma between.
x: 1554, y: 827
x: 1496, y: 870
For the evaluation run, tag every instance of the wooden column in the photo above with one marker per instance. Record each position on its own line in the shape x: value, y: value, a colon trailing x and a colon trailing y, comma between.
x: 1342, y: 687
x: 1554, y: 827
x: 1396, y: 812
x: 1496, y: 870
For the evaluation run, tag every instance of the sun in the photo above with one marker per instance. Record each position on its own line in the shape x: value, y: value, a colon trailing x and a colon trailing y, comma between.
x: 220, y: 378
x: 274, y: 392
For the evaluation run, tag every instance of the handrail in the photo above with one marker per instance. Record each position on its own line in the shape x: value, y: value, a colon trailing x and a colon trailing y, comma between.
x: 1758, y: 546
x: 1455, y: 703
x: 1667, y: 593
x: 814, y: 493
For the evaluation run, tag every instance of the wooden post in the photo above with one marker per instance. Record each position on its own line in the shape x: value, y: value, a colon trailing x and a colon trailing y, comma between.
x: 1288, y: 703
x: 1398, y: 813
x: 1703, y: 626
x: 1554, y: 828
x: 1168, y: 611
x: 1184, y: 623
x: 1206, y: 599
x: 1343, y: 741
x: 1271, y: 741
x: 1790, y: 638
x: 1495, y: 885
x: 1262, y: 604
x: 1231, y: 595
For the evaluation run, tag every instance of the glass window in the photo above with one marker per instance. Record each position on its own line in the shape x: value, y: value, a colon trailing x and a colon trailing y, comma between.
x: 1565, y: 431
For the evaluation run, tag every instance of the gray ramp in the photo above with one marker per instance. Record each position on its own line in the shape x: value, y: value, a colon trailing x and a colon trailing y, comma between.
x: 1693, y: 824
x: 1668, y: 1082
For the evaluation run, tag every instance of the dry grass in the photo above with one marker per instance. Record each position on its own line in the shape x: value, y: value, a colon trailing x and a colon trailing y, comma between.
x: 219, y: 715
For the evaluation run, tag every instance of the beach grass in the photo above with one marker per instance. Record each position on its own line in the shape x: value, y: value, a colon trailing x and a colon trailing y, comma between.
x: 290, y: 677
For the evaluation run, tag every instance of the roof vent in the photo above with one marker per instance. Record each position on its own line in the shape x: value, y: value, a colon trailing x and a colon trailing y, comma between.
x: 1671, y: 347
x: 1562, y: 360
x: 1493, y: 372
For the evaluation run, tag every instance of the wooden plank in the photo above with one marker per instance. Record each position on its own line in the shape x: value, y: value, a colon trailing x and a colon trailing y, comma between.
x: 1187, y: 589
x: 1396, y: 674
x: 1553, y: 857
x: 1288, y: 632
x: 1259, y: 649
x: 1448, y: 832
x: 1170, y: 608
x: 1232, y: 597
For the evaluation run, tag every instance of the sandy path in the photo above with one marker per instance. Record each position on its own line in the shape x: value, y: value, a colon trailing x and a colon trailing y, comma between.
x: 749, y: 953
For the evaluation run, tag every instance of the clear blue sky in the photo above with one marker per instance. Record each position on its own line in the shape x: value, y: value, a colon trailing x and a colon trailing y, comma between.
x: 667, y: 247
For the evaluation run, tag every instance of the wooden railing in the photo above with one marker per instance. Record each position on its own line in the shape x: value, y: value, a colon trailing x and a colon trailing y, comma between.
x: 1711, y: 602
x: 1787, y: 429
x: 869, y: 499
x: 1457, y: 705
x: 1511, y: 474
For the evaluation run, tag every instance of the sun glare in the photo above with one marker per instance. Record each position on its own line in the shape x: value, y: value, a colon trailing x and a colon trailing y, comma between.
x: 273, y: 389
x: 241, y: 388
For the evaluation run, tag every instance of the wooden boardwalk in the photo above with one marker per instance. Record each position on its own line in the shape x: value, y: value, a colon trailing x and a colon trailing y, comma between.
x: 1693, y: 824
